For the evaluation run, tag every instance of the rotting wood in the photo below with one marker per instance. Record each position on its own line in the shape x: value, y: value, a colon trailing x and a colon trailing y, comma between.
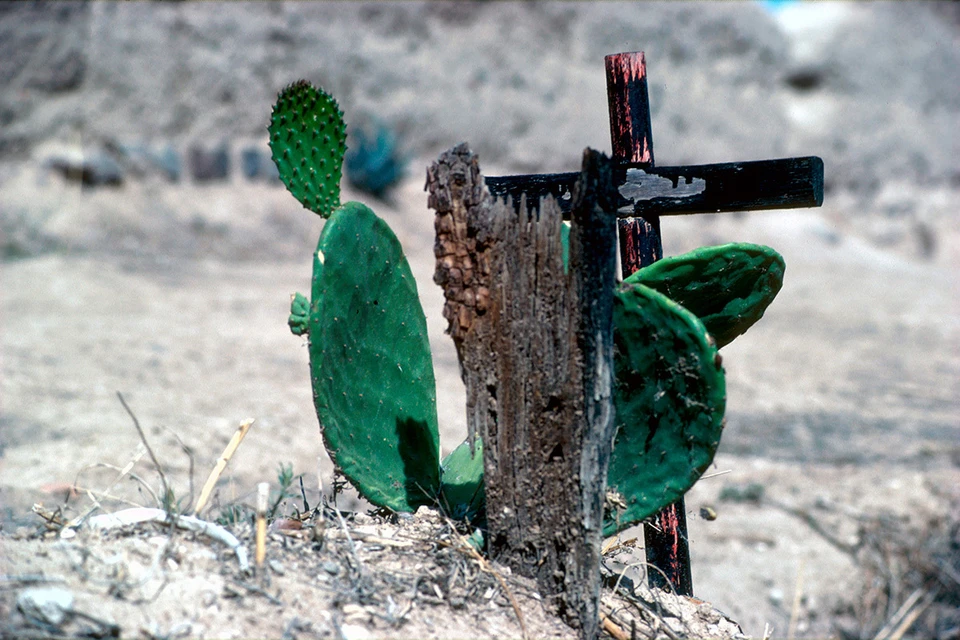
x: 645, y: 193
x: 535, y: 348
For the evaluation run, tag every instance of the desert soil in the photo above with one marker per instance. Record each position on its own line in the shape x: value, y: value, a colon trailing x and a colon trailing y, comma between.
x: 843, y: 402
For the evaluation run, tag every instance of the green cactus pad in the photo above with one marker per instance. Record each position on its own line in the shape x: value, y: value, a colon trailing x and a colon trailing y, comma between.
x: 728, y: 287
x: 462, y: 493
x: 373, y: 382
x: 299, y: 320
x: 669, y: 396
x: 308, y: 140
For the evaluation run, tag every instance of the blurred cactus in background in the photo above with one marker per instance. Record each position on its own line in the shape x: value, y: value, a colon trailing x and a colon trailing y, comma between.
x: 374, y: 164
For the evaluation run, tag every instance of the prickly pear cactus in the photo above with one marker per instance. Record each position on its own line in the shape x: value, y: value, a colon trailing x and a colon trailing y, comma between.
x: 728, y: 287
x: 669, y: 394
x: 462, y: 485
x: 370, y: 365
x: 308, y: 140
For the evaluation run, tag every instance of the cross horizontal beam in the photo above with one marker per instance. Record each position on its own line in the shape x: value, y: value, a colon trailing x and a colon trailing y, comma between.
x: 786, y: 183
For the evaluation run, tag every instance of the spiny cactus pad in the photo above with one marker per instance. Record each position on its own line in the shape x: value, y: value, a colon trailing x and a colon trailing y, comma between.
x: 462, y: 494
x: 373, y: 381
x: 669, y: 394
x: 728, y: 287
x: 308, y: 140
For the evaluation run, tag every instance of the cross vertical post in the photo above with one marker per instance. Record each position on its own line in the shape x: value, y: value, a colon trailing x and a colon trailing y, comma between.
x: 665, y: 539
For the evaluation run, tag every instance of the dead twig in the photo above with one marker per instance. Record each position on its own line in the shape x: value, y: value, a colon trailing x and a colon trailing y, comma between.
x: 814, y: 524
x: 263, y: 495
x: 658, y: 622
x: 466, y: 548
x: 797, y: 597
x: 908, y: 613
x: 255, y: 589
x: 612, y: 628
x: 350, y: 543
x: 156, y: 463
x: 53, y: 519
x: 189, y: 451
x: 228, y: 452
x: 125, y: 471
x: 29, y: 579
x: 142, y: 514
x: 615, y: 544
x: 97, y: 496
x: 911, y: 617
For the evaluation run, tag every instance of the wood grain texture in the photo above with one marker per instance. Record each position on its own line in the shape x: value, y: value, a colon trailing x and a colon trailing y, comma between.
x: 536, y: 359
x: 630, y: 129
x: 640, y: 243
x: 784, y: 183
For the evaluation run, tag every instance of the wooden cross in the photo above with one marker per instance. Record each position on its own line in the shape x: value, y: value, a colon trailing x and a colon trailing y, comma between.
x: 648, y: 192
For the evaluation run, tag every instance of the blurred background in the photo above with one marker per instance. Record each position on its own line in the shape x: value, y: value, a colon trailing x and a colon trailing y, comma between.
x: 148, y: 247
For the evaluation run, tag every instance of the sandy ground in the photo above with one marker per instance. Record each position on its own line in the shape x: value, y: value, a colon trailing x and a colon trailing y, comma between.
x: 845, y: 395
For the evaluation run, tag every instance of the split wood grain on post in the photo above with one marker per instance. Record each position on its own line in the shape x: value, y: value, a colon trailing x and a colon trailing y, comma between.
x: 535, y: 347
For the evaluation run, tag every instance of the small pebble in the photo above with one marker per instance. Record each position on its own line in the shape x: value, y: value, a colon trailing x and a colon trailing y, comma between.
x: 354, y: 632
x: 775, y: 597
x: 50, y: 605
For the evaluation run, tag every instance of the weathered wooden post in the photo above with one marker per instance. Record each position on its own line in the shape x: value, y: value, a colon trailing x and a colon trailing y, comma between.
x: 645, y: 194
x: 536, y: 352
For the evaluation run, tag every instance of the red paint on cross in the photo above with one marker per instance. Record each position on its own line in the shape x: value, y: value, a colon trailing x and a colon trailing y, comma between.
x: 626, y: 75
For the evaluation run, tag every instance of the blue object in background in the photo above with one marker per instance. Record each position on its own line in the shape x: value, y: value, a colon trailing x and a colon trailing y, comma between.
x: 374, y: 163
x: 776, y: 5
x: 209, y: 165
x: 251, y: 163
x: 168, y: 161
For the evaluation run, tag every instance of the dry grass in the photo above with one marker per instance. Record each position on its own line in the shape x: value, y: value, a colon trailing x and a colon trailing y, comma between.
x: 911, y: 579
x: 348, y: 574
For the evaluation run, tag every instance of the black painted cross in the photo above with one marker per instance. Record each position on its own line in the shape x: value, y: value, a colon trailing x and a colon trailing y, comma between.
x: 648, y: 192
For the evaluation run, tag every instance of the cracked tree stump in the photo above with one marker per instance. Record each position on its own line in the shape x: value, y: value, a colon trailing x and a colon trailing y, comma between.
x: 535, y: 349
